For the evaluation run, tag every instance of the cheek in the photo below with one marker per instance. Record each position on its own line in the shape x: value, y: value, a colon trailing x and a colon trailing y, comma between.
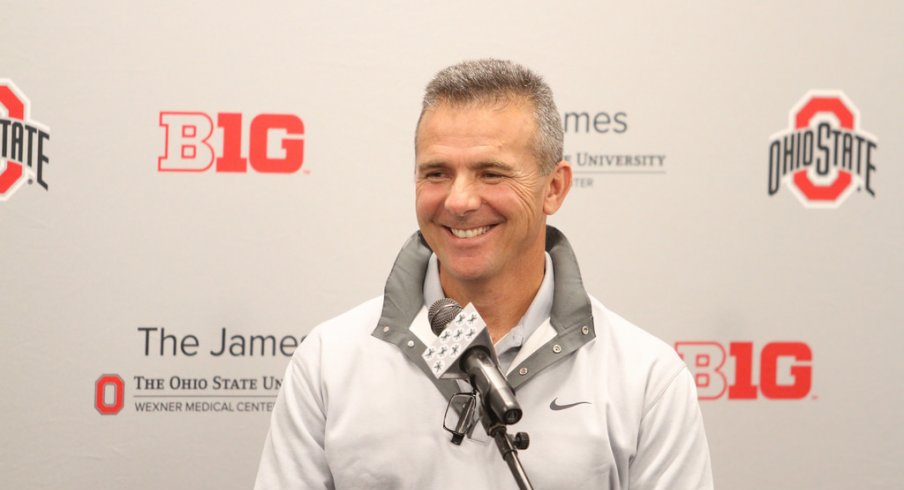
x: 426, y: 200
x: 529, y: 199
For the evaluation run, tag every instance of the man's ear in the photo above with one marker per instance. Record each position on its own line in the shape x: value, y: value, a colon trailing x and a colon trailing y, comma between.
x: 557, y: 187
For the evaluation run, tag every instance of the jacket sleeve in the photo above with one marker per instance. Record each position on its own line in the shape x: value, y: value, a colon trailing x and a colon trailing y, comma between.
x: 672, y: 451
x: 293, y: 455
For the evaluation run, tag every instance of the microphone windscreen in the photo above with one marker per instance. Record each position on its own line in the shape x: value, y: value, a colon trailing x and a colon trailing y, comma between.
x: 441, y: 313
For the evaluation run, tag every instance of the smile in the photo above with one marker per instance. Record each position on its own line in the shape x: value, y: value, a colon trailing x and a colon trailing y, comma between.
x: 471, y: 233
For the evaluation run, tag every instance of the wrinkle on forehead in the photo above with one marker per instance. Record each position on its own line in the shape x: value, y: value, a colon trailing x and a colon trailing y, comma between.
x: 465, y: 116
x: 496, y: 102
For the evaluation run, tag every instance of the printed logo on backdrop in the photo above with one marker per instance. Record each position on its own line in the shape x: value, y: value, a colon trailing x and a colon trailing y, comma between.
x: 191, y: 392
x: 194, y: 143
x: 781, y: 371
x: 23, y: 142
x: 824, y: 156
x: 589, y: 139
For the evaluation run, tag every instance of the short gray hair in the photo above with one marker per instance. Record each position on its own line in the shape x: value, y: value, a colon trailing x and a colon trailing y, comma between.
x: 492, y: 81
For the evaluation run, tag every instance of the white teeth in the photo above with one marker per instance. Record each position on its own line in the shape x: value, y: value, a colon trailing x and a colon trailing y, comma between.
x: 473, y: 232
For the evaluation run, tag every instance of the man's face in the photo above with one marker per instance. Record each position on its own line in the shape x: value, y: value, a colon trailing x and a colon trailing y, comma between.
x: 480, y: 196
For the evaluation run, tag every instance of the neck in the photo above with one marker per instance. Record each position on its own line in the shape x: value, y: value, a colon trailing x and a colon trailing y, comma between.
x: 501, y: 301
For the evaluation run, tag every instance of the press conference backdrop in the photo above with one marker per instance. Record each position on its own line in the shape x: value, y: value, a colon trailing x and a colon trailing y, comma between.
x: 187, y: 188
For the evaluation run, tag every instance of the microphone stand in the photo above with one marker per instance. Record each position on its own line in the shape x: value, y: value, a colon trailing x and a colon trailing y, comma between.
x: 441, y: 314
x: 508, y: 447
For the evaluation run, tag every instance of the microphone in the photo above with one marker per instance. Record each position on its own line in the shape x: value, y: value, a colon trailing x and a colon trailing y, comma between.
x: 464, y: 350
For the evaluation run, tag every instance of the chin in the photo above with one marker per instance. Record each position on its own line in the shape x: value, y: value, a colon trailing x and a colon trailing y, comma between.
x: 464, y: 271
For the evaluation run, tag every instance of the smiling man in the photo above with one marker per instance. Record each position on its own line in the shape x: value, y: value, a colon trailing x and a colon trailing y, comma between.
x: 607, y: 405
x: 482, y: 201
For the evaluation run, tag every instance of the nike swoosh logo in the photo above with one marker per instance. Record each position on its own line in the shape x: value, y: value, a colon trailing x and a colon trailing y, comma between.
x: 555, y: 406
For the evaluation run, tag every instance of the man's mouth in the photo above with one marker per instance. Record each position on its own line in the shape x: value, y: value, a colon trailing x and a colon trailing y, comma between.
x: 470, y: 233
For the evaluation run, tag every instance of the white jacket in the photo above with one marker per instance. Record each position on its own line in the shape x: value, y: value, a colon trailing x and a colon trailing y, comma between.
x: 358, y: 408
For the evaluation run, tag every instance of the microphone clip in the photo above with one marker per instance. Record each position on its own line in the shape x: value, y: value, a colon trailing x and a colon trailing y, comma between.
x: 469, y: 410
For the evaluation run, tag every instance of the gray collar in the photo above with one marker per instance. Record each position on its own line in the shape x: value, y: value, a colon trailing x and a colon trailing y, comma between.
x: 403, y: 298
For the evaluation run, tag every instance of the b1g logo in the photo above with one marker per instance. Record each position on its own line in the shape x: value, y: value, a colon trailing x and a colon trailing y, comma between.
x: 109, y: 394
x: 823, y: 156
x: 275, y: 143
x: 23, y: 142
x: 782, y: 371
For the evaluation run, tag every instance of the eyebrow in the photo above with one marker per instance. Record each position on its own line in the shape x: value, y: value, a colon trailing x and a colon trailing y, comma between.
x: 489, y: 165
x: 494, y: 166
x: 420, y: 167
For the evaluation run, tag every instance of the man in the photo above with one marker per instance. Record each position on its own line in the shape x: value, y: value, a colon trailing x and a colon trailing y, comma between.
x: 607, y: 406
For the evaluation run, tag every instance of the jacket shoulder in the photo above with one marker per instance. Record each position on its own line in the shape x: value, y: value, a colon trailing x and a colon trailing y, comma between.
x: 648, y: 356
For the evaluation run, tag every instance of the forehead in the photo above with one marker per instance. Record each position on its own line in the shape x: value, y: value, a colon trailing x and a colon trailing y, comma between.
x: 506, y: 125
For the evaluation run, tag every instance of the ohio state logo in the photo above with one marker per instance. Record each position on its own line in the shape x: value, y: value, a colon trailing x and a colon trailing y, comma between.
x: 194, y: 144
x: 781, y: 371
x: 23, y: 142
x: 823, y: 157
x: 109, y: 394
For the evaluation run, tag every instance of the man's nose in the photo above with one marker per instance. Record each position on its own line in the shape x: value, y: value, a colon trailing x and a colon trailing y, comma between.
x: 464, y: 196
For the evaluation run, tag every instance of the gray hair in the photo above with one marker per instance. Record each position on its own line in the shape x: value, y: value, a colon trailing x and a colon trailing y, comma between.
x: 492, y: 81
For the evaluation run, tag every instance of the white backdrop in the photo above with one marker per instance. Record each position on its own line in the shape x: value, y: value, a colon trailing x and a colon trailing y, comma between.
x: 694, y: 249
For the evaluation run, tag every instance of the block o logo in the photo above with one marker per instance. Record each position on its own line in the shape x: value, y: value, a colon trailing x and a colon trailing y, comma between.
x: 833, y: 190
x: 823, y: 156
x: 109, y: 394
x: 23, y: 142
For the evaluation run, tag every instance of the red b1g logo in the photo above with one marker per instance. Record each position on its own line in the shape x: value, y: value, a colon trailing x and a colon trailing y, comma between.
x: 275, y: 143
x: 785, y: 369
x: 109, y: 394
